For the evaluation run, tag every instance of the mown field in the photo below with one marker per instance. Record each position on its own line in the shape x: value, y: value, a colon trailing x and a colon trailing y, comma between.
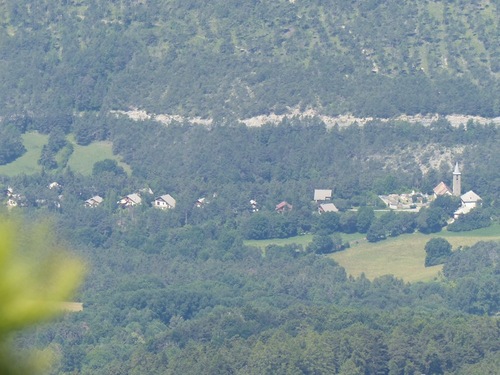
x: 81, y: 160
x: 301, y: 240
x: 27, y: 163
x: 401, y: 256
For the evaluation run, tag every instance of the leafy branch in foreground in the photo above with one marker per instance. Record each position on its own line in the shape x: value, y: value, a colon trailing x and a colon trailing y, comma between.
x: 36, y: 276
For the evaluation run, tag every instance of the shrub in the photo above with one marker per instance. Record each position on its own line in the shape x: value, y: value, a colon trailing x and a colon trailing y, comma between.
x: 437, y: 250
x: 475, y: 219
x: 321, y: 245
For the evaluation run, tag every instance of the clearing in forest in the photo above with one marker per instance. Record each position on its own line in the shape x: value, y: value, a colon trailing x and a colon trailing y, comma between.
x: 401, y: 256
x: 28, y: 162
x: 81, y: 160
x: 404, y: 256
x: 84, y: 157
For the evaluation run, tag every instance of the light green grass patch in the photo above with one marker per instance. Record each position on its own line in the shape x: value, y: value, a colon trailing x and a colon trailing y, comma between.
x: 491, y: 231
x: 401, y: 256
x: 81, y: 160
x: 27, y: 163
x: 84, y: 157
x: 404, y: 256
x: 303, y: 240
x: 299, y: 240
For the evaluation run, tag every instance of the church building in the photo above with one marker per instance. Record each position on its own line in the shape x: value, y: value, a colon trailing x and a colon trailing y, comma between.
x: 457, y: 181
x: 469, y: 200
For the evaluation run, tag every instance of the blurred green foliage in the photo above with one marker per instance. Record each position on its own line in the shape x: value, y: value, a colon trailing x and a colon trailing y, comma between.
x: 36, y: 276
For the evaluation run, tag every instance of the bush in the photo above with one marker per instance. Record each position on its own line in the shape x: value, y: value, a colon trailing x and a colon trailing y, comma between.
x: 477, y: 218
x: 328, y: 222
x: 437, y: 250
x: 107, y: 165
x: 376, y: 232
x: 478, y: 260
x: 364, y: 219
x: 11, y: 145
x: 321, y: 245
x: 431, y: 220
x: 448, y: 203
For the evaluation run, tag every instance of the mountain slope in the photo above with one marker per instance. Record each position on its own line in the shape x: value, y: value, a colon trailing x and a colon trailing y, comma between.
x: 220, y: 59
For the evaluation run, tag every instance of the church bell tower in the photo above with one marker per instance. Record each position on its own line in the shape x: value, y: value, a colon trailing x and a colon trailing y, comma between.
x: 457, y: 181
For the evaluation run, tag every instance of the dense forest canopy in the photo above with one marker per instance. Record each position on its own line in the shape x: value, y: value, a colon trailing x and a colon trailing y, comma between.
x: 240, y: 59
x: 178, y: 291
x: 195, y: 300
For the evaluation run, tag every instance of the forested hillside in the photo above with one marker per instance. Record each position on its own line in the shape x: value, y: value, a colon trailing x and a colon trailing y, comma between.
x: 180, y: 290
x: 195, y: 300
x: 224, y: 59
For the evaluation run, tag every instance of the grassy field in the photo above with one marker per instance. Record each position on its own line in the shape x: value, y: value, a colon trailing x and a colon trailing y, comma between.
x: 401, y: 256
x: 404, y: 256
x: 28, y: 163
x: 81, y: 160
x: 300, y: 240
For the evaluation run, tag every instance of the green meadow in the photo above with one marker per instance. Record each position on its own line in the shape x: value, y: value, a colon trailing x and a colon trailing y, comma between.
x: 84, y: 157
x: 301, y: 240
x: 401, y: 256
x: 27, y: 163
x: 81, y: 160
x: 404, y: 256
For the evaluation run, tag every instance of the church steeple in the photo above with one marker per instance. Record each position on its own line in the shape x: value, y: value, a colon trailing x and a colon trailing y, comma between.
x: 457, y: 181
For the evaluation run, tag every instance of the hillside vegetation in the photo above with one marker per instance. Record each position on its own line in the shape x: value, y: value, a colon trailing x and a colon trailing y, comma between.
x: 27, y: 163
x: 402, y: 257
x: 218, y: 59
x: 80, y: 158
x: 178, y: 290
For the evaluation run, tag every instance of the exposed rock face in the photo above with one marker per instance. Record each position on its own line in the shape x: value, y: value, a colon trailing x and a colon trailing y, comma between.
x: 341, y: 120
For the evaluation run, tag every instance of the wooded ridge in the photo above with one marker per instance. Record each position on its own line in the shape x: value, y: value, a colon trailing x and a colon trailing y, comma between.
x: 241, y: 60
x: 180, y: 290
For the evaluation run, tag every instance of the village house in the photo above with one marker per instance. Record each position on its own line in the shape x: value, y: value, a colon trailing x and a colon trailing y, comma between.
x: 470, y: 200
x: 391, y: 200
x: 397, y: 201
x: 254, y: 205
x: 200, y: 202
x: 41, y: 202
x: 94, y: 201
x: 15, y: 200
x: 442, y: 189
x: 130, y: 200
x: 164, y: 202
x: 11, y: 202
x: 283, y: 207
x: 54, y: 186
x: 327, y: 207
x: 322, y: 195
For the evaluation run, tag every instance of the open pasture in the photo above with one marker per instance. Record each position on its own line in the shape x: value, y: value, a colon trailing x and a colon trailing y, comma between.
x: 401, y: 256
